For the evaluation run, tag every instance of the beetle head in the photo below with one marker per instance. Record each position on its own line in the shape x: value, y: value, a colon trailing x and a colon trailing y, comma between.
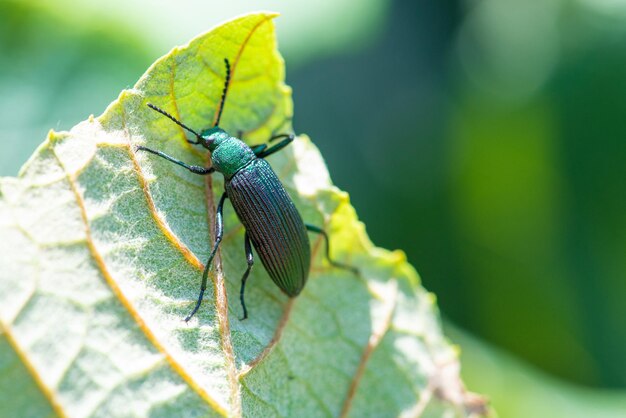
x: 212, y: 137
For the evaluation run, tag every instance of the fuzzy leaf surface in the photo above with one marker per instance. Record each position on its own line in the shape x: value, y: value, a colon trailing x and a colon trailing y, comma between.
x: 103, y: 247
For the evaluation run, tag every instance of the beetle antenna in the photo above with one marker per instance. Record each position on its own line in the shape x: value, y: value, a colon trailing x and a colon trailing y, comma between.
x: 226, y: 83
x: 177, y: 122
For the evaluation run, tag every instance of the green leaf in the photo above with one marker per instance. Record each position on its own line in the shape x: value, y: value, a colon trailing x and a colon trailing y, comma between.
x: 102, y: 251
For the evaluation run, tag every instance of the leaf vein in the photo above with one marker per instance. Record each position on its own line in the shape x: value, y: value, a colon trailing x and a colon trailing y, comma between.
x: 161, y: 224
x: 47, y: 391
x: 126, y: 302
x: 273, y: 342
x: 219, y: 283
x: 375, y: 339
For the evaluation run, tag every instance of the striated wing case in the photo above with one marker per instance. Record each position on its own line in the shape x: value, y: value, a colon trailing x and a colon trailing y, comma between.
x: 273, y: 223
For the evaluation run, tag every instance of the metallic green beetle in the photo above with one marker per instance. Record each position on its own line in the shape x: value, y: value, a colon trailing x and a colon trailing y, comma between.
x: 273, y: 224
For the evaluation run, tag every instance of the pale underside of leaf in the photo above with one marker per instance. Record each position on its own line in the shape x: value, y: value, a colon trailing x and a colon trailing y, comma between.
x: 102, y: 251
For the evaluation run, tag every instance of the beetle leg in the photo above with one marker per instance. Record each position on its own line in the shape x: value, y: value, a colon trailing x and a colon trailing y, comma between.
x: 193, y: 168
x: 250, y: 259
x: 282, y: 144
x: 219, y: 232
x: 318, y: 230
x: 257, y: 149
x: 275, y: 137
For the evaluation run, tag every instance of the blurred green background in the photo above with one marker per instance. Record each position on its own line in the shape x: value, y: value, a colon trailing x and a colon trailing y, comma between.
x: 487, y: 139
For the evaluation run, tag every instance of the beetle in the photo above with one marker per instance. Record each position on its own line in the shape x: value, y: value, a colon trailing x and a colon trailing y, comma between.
x: 273, y: 225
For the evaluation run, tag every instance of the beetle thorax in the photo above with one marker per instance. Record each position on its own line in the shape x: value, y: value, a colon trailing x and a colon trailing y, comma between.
x: 230, y: 156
